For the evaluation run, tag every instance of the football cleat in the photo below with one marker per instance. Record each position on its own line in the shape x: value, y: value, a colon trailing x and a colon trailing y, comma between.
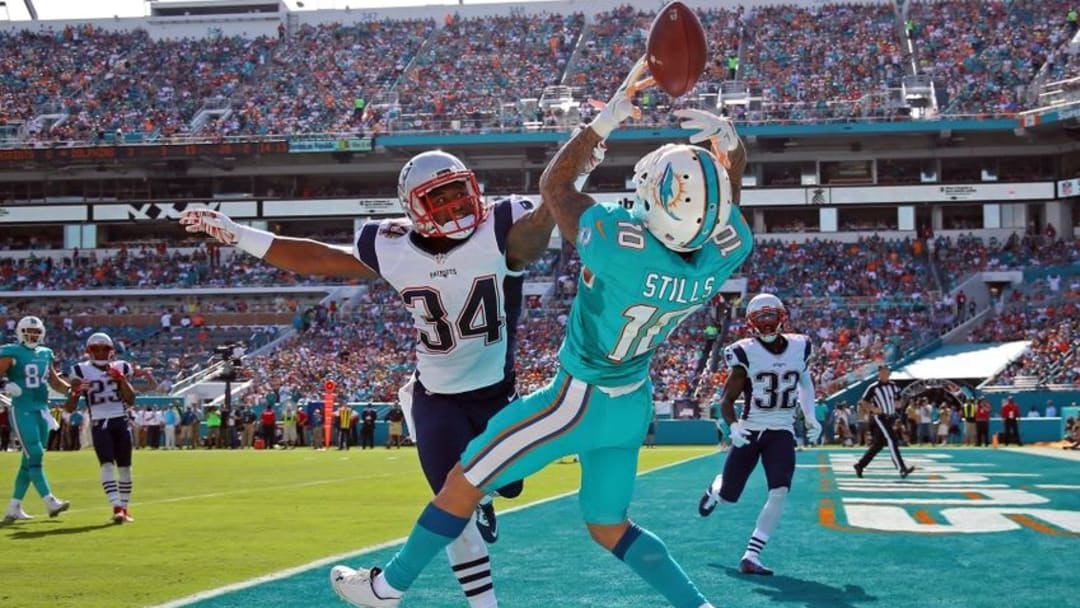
x: 120, y: 515
x: 356, y: 587
x: 906, y: 471
x: 711, y: 497
x: 858, y: 471
x: 14, y: 515
x: 749, y: 566
x: 56, y: 506
x: 486, y: 522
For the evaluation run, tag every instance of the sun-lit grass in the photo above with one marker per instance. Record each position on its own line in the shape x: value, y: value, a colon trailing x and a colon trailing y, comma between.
x: 209, y: 518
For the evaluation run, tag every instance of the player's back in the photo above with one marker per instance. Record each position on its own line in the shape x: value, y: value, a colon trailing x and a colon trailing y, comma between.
x: 30, y: 370
x: 633, y: 291
x: 770, y: 398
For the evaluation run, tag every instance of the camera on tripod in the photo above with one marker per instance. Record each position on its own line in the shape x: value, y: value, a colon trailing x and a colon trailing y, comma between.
x: 232, y: 355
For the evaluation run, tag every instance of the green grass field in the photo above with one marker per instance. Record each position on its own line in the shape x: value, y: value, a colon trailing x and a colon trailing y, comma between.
x: 209, y: 518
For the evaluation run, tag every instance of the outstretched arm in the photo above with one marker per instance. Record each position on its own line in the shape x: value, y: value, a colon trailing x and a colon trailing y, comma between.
x: 719, y: 133
x: 302, y: 256
x: 308, y: 257
x: 529, y: 237
x: 557, y: 187
x: 576, y: 157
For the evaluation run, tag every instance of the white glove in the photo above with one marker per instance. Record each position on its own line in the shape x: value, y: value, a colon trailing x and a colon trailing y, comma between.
x: 710, y: 127
x: 739, y: 435
x: 598, y: 153
x: 12, y: 390
x: 813, y: 431
x: 621, y: 105
x: 221, y: 227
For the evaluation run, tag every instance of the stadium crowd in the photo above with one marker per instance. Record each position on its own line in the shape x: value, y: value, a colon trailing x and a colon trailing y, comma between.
x: 369, y: 77
x: 806, y: 79
x: 986, y: 53
x: 960, y: 257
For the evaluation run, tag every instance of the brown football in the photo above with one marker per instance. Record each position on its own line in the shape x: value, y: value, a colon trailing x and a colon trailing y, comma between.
x: 676, y: 49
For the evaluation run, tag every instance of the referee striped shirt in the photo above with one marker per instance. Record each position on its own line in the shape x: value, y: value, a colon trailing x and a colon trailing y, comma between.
x: 885, y: 395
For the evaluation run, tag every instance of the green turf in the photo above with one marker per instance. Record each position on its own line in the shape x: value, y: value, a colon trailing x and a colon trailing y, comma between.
x: 208, y: 518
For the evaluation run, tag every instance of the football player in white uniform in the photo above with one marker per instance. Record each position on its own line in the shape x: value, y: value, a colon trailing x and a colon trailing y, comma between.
x: 105, y: 384
x: 770, y: 371
x: 458, y: 266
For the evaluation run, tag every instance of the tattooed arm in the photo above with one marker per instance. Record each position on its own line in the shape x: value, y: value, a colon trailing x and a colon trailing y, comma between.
x: 557, y: 187
x: 529, y: 237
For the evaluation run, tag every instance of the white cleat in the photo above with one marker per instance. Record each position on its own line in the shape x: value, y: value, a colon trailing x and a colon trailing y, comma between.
x: 14, y: 515
x: 355, y: 587
x: 711, y: 497
x: 56, y: 506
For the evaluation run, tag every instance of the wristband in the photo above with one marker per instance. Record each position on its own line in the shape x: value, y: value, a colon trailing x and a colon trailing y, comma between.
x: 254, y: 241
x: 603, y: 124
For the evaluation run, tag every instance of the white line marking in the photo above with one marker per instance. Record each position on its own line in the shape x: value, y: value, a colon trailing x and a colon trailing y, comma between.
x: 1047, y: 452
x: 1056, y: 486
x: 303, y: 484
x: 333, y: 559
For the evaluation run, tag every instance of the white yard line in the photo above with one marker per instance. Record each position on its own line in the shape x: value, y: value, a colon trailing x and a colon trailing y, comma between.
x: 303, y: 484
x: 1048, y: 452
x: 333, y: 559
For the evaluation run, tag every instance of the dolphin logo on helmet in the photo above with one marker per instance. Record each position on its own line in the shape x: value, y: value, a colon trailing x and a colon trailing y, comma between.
x: 686, y: 194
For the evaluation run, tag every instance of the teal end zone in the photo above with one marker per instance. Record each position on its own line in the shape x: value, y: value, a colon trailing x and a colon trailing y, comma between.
x: 544, y: 557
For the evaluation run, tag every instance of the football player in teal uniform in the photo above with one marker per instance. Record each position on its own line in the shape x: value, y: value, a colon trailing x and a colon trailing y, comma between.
x: 27, y: 371
x: 644, y: 269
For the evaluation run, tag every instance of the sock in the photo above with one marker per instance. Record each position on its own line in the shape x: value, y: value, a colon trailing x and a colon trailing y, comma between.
x: 471, y: 564
x: 767, y: 521
x: 108, y: 483
x: 434, y: 530
x: 124, y: 486
x: 649, y: 558
x: 756, y: 545
x: 22, y: 483
x: 14, y: 505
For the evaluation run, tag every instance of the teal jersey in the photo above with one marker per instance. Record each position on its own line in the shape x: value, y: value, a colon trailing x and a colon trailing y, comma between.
x: 30, y: 370
x: 633, y: 291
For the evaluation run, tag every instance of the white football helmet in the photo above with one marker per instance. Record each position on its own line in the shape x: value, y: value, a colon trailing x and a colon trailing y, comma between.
x: 30, y: 331
x: 100, y: 348
x: 765, y: 315
x: 455, y: 218
x: 686, y: 195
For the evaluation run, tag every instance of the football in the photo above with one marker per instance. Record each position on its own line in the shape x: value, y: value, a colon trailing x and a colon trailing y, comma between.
x: 676, y: 49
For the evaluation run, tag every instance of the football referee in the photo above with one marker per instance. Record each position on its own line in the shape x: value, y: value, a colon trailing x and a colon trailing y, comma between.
x: 882, y: 398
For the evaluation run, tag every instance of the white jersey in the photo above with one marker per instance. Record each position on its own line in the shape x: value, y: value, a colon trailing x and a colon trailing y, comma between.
x: 772, y: 388
x: 465, y: 303
x: 102, y: 392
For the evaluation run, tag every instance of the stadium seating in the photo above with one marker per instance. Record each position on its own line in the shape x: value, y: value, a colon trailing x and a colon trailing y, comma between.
x: 809, y: 64
x: 958, y: 258
x: 472, y: 67
x: 985, y: 53
x: 806, y: 79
